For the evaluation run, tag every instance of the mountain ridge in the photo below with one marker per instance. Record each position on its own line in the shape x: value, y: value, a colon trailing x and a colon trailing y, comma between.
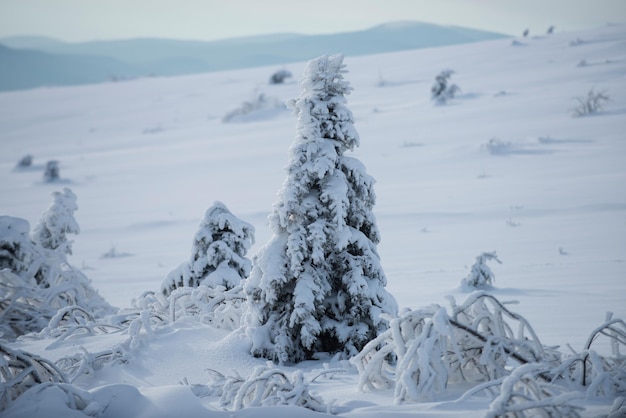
x: 139, y: 57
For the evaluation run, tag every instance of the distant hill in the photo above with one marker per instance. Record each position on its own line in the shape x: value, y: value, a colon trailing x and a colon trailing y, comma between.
x: 23, y: 69
x: 88, y: 62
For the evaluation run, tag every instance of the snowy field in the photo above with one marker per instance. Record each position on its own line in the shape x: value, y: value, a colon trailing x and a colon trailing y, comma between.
x: 503, y: 167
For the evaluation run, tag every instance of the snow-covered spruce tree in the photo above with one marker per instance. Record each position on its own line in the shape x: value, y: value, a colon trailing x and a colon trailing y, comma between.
x: 57, y: 221
x: 317, y: 285
x: 218, y: 253
x: 442, y: 91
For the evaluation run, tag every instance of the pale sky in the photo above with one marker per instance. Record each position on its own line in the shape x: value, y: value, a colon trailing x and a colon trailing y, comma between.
x: 83, y: 20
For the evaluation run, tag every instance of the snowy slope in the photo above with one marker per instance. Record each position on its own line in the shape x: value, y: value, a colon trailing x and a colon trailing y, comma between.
x: 147, y: 157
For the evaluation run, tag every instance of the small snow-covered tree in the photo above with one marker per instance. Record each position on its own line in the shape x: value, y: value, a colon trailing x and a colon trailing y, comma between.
x: 442, y: 91
x: 317, y: 285
x: 481, y: 275
x: 35, y: 282
x: 57, y: 221
x: 218, y: 253
x: 51, y: 172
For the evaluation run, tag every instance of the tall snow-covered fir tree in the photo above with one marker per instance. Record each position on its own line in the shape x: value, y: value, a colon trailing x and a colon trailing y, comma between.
x: 57, y: 221
x: 218, y: 253
x: 318, y: 285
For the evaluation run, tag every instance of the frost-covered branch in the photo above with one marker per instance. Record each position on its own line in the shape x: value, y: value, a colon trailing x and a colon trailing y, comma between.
x: 266, y: 386
x: 20, y: 371
x: 425, y: 350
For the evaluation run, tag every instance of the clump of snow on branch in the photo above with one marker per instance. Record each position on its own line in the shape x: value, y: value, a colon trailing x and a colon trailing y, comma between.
x: 480, y: 274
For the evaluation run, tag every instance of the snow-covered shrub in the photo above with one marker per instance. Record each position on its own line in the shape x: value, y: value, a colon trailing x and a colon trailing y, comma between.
x: 596, y: 375
x: 592, y: 103
x: 279, y: 76
x: 266, y: 386
x: 15, y: 246
x: 442, y: 91
x: 525, y: 393
x: 87, y: 363
x: 52, y: 171
x: 218, y: 253
x: 217, y: 306
x: 480, y: 274
x: 25, y: 161
x: 35, y: 282
x: 425, y: 350
x: 19, y: 371
x: 317, y: 285
x: 50, y: 232
x: 259, y: 102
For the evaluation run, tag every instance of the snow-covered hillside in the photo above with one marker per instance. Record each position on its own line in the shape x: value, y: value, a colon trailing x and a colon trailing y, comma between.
x: 504, y: 166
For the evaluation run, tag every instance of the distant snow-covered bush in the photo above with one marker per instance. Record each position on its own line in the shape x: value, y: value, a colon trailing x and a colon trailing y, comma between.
x: 52, y: 171
x: 590, y: 104
x: 279, y: 76
x: 442, y: 90
x: 480, y: 274
x: 25, y: 161
x: 259, y: 102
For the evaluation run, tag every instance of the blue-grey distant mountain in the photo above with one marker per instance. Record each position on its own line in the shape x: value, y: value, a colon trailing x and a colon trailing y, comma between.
x: 88, y: 62
x: 23, y: 69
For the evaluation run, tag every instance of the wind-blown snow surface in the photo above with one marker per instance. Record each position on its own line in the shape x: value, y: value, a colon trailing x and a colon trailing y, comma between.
x: 147, y: 158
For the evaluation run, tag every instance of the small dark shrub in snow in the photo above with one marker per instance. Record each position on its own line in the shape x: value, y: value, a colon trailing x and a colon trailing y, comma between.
x: 218, y: 253
x: 442, y: 91
x: 26, y: 161
x: 480, y: 274
x: 51, y: 172
x: 317, y: 285
x: 592, y: 103
x: 279, y: 76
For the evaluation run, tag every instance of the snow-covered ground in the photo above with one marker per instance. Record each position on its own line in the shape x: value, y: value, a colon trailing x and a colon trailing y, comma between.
x: 504, y: 166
